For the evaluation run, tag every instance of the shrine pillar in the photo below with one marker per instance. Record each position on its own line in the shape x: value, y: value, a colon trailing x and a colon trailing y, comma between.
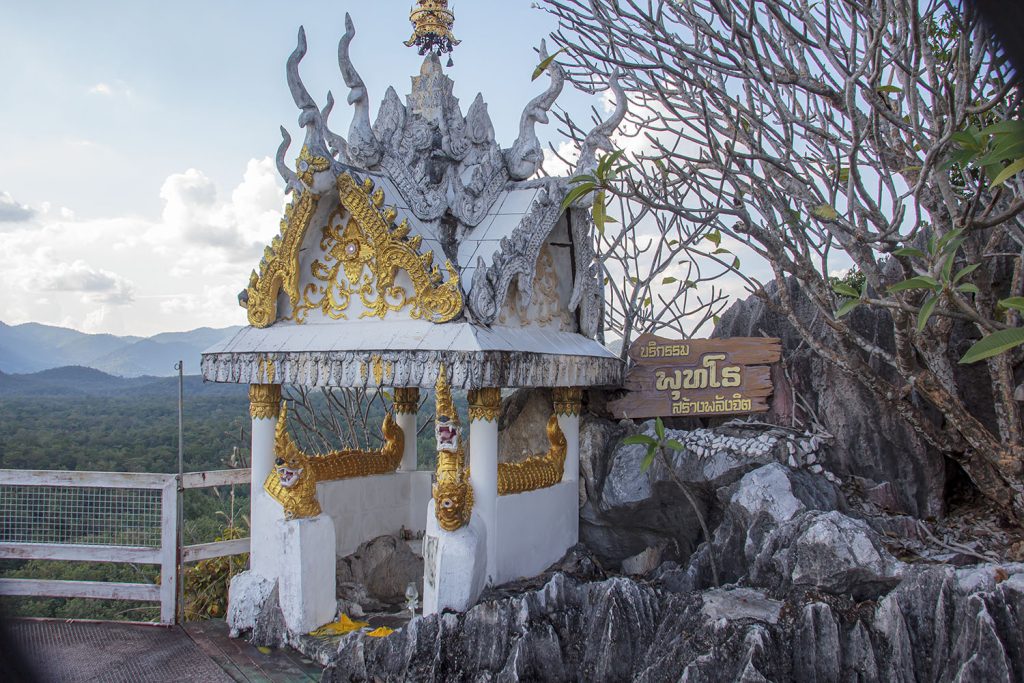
x: 264, y: 513
x: 567, y: 402
x: 407, y: 403
x: 484, y: 410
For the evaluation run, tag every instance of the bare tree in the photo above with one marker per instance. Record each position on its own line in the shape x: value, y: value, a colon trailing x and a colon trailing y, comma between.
x: 880, y: 135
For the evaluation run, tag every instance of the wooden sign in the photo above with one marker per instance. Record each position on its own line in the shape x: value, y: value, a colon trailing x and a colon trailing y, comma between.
x: 698, y: 377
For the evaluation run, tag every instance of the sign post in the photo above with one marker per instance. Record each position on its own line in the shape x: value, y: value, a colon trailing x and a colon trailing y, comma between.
x: 698, y: 377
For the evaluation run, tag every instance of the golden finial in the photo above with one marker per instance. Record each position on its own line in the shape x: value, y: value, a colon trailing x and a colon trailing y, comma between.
x: 432, y: 23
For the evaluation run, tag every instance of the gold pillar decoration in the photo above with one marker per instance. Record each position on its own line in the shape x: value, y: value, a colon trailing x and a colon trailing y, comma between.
x: 537, y: 471
x: 264, y: 401
x: 407, y: 400
x: 485, y: 404
x: 567, y: 400
x: 292, y: 482
x: 453, y: 494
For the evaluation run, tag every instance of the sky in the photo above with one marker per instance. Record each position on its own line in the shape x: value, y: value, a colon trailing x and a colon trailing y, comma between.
x: 137, y: 183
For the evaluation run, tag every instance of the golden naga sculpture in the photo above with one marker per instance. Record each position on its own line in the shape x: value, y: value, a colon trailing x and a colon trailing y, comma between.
x: 453, y: 494
x: 537, y: 471
x: 292, y: 482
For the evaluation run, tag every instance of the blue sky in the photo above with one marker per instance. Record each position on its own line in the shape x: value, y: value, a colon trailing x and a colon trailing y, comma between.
x: 135, y: 176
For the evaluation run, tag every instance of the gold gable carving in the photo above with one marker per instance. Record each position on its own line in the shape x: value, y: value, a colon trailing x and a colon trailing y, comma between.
x: 433, y: 298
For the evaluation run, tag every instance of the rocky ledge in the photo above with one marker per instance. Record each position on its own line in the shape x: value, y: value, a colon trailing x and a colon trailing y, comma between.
x: 809, y: 592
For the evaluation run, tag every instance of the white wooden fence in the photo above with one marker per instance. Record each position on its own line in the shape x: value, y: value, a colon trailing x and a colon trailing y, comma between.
x: 39, y: 507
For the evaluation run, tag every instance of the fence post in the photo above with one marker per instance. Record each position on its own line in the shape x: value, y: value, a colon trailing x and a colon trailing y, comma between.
x: 169, y: 551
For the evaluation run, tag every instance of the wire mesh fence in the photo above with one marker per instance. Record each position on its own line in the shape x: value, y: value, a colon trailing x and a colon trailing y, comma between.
x: 79, y: 515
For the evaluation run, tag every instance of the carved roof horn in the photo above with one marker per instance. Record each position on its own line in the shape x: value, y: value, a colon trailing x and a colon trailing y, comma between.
x: 310, y: 118
x: 600, y: 138
x: 363, y: 147
x: 526, y: 154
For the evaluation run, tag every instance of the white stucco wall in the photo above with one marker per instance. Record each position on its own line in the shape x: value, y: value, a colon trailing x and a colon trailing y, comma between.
x: 368, y: 507
x: 535, y: 529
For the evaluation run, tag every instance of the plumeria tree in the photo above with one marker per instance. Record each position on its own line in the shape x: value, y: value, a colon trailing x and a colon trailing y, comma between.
x: 879, y: 137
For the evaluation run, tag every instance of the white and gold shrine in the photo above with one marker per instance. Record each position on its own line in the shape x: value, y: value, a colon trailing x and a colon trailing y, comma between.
x: 418, y: 253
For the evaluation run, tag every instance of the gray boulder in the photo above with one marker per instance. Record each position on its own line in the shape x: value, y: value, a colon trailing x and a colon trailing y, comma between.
x: 871, y: 441
x: 384, y: 567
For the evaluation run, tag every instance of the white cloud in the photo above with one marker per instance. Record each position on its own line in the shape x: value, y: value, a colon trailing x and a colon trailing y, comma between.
x: 12, y: 211
x: 110, y: 89
x: 94, y: 284
x: 137, y: 275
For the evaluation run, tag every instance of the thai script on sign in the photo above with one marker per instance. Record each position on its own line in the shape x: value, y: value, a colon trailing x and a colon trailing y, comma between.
x: 655, y: 350
x: 720, y: 404
x: 709, y: 375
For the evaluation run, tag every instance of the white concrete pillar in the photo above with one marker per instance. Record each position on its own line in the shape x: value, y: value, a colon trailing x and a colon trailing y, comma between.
x: 407, y: 403
x: 307, y: 585
x: 265, y: 512
x: 567, y: 402
x: 484, y: 410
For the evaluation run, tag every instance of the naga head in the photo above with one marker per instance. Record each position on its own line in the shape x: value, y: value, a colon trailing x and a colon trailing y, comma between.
x: 286, y: 483
x: 453, y: 494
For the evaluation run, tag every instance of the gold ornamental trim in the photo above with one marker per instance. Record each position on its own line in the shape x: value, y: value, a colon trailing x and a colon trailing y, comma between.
x: 264, y: 401
x: 452, y: 491
x: 407, y: 400
x: 537, y: 471
x: 390, y: 249
x: 279, y: 267
x: 485, y: 404
x: 292, y: 482
x: 567, y: 400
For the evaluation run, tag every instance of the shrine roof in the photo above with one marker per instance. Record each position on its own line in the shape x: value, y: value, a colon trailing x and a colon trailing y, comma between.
x: 418, y: 240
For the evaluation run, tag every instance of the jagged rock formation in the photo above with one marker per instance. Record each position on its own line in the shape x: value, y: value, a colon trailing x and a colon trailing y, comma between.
x: 813, y: 595
x: 625, y: 511
x: 871, y: 442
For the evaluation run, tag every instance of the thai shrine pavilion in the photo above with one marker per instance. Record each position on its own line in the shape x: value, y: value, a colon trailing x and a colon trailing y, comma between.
x: 418, y: 253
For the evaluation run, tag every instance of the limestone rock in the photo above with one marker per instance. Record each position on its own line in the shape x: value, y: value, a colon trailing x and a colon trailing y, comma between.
x: 385, y: 566
x: 938, y: 624
x: 871, y: 440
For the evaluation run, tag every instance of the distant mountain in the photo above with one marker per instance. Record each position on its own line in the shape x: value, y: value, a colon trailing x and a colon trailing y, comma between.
x: 32, y: 347
x: 82, y: 381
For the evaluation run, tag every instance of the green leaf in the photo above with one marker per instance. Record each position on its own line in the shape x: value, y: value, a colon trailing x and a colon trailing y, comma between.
x: 715, y: 320
x: 575, y: 193
x: 966, y: 140
x: 847, y: 307
x: 606, y: 162
x: 968, y: 289
x: 926, y: 311
x: 909, y: 251
x: 994, y: 344
x: 659, y: 428
x: 965, y: 271
x: 599, y: 211
x: 1014, y: 302
x: 845, y: 290
x: 668, y: 280
x: 1014, y: 126
x: 1008, y: 172
x: 586, y: 177
x: 825, y: 212
x: 648, y: 459
x: 639, y: 439
x: 889, y: 88
x: 919, y: 282
x: 545, y: 64
x: 715, y: 237
x: 736, y: 263
x: 721, y: 250
x: 674, y: 445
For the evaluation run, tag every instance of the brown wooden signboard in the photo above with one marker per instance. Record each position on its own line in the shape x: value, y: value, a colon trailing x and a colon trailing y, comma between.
x: 698, y: 377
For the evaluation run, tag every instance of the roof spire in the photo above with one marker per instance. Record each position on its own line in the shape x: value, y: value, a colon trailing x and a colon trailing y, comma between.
x: 432, y: 23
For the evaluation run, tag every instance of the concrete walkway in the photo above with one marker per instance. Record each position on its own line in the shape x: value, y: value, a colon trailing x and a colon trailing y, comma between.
x: 136, y: 653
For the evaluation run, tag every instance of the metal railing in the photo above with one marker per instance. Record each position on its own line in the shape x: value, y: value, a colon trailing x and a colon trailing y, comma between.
x: 105, y: 517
